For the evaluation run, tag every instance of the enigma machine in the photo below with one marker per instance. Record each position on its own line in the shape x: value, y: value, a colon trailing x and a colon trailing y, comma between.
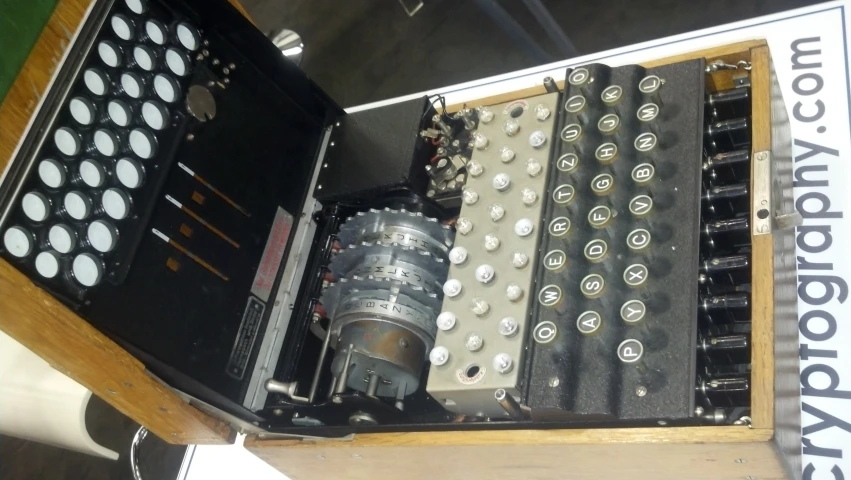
x: 607, y: 253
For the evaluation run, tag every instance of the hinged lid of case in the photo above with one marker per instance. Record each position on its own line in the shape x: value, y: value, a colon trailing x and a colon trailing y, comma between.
x: 157, y: 188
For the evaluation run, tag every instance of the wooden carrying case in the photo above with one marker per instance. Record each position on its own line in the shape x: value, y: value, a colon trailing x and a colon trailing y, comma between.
x: 768, y: 448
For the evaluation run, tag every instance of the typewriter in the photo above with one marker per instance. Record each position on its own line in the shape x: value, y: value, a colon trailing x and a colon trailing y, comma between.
x: 597, y: 253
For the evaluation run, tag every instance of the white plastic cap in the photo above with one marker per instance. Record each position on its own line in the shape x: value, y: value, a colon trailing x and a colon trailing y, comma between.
x: 480, y: 141
x: 47, y: 264
x: 52, y: 173
x: 88, y: 269
x: 458, y: 255
x: 529, y: 196
x: 479, y: 306
x: 463, y: 225
x: 533, y: 167
x: 491, y: 242
x: 102, y: 236
x: 470, y: 196
x: 523, y: 227
x: 36, y: 206
x: 438, y: 356
x: 506, y: 154
x: 519, y: 259
x: 452, y: 287
x: 513, y: 292
x: 446, y: 320
x: 542, y: 112
x: 501, y: 181
x: 61, y: 238
x: 503, y: 363
x: 474, y: 342
x: 18, y: 242
x: 485, y: 114
x: 511, y: 127
x: 508, y: 326
x: 485, y: 273
x: 496, y: 211
x: 537, y: 139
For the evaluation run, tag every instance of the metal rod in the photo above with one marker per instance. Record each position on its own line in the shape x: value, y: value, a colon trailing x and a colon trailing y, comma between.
x: 331, y: 388
x: 554, y: 31
x: 344, y: 375
x: 513, y: 29
x: 550, y: 85
x: 314, y: 385
x: 372, y: 386
x: 509, y: 404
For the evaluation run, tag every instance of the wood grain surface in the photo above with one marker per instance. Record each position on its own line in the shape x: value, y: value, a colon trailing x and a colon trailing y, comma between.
x: 48, y: 328
x: 762, y: 256
x: 605, y: 458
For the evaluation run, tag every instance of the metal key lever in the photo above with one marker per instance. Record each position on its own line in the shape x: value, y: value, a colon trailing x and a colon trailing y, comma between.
x: 722, y: 350
x: 734, y: 306
x: 728, y: 134
x: 724, y: 343
x: 728, y: 166
x: 287, y: 389
x: 726, y: 200
x: 728, y: 104
x: 727, y: 270
x: 725, y: 391
x: 731, y: 232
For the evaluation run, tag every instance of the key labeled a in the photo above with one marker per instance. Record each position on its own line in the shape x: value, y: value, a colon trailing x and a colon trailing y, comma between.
x: 589, y: 323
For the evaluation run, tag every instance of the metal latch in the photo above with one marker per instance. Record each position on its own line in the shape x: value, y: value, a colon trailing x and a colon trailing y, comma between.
x: 763, y: 202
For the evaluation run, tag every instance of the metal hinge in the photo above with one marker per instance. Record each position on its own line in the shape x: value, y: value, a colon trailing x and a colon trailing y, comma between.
x: 761, y: 217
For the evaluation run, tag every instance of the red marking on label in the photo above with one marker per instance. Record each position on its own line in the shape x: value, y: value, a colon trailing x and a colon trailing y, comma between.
x: 276, y: 244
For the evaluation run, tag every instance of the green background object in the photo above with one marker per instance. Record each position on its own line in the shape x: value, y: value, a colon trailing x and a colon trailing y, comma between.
x: 21, y: 22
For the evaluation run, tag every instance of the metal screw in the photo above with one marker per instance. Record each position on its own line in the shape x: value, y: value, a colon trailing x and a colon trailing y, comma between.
x: 337, y: 124
x: 554, y: 382
x: 763, y: 229
x: 741, y: 460
x: 278, y: 412
x: 403, y: 343
x: 762, y: 156
x: 232, y: 66
x: 174, y: 435
x: 227, y: 81
x: 110, y: 391
x: 226, y: 70
x: 319, y: 187
x: 324, y: 165
x: 641, y: 390
x: 199, y: 57
x: 332, y: 144
x: 215, y: 61
x: 190, y: 137
x: 751, y: 477
x: 206, y: 43
x: 127, y: 384
x: 337, y: 400
x: 698, y: 411
x: 163, y: 409
x: 205, y: 52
